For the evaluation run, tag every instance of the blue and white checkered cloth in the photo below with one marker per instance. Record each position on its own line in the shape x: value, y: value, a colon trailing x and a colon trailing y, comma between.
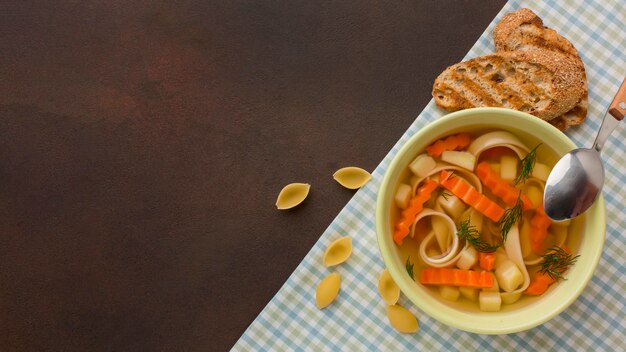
x: 357, y: 320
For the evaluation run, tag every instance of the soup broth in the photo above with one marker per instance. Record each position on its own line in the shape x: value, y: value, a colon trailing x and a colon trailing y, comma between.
x: 441, y: 179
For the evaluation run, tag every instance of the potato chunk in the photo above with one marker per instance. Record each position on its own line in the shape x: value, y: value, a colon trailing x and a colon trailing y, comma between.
x: 489, y: 301
x: 508, y: 168
x: 422, y: 165
x: 465, y: 160
x: 509, y: 276
x: 403, y: 195
x: 469, y: 292
x: 451, y: 293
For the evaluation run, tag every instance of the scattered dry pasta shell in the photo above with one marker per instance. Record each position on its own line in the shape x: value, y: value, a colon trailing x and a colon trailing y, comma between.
x: 401, y: 319
x: 352, y: 177
x: 338, y: 251
x: 327, y: 290
x: 292, y: 195
x: 388, y: 289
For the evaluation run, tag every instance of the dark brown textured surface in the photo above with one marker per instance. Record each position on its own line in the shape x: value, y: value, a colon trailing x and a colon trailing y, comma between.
x: 142, y: 146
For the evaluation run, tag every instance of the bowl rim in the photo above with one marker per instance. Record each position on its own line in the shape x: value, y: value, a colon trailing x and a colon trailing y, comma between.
x: 445, y: 313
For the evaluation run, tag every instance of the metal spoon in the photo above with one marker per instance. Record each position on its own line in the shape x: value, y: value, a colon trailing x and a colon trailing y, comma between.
x: 577, y: 178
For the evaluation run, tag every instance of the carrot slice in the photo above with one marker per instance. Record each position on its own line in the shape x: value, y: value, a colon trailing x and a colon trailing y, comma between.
x: 539, y: 284
x: 539, y: 230
x: 416, y: 205
x: 455, y: 142
x: 487, y: 260
x: 470, y: 196
x: 500, y: 187
x: 456, y: 277
x: 541, y: 281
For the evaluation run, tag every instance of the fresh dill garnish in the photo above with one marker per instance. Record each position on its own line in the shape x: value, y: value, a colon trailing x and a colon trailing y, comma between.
x: 511, y: 217
x: 556, y: 262
x: 409, y: 267
x: 526, y: 165
x: 446, y: 195
x: 470, y: 234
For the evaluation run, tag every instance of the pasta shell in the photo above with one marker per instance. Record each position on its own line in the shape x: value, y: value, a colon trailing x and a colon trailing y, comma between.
x: 401, y: 319
x: 327, y: 290
x: 292, y: 195
x: 388, y: 289
x: 338, y: 251
x: 352, y: 177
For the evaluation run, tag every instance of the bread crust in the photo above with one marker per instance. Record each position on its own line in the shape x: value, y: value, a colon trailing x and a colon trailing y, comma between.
x: 523, y: 30
x: 543, y: 83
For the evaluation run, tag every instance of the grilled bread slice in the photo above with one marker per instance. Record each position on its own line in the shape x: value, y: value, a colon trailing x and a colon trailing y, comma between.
x: 543, y: 83
x: 524, y: 30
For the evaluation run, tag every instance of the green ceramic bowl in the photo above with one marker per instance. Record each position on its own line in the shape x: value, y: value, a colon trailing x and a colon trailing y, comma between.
x: 528, y: 312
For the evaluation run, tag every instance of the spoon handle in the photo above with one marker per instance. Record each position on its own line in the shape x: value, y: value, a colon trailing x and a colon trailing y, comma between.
x: 613, y: 116
x: 618, y: 106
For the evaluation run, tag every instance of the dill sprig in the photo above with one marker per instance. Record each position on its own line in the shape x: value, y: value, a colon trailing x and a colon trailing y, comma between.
x: 446, y: 195
x: 556, y: 262
x: 526, y: 165
x: 470, y: 234
x: 511, y: 217
x: 409, y: 267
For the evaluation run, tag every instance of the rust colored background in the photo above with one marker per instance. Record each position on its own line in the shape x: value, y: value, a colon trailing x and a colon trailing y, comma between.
x: 142, y: 146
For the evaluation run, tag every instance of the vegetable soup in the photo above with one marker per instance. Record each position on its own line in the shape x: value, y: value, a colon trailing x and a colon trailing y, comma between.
x: 468, y: 219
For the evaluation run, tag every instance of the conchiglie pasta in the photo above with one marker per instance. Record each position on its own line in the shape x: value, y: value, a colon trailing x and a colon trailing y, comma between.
x: 327, y: 290
x: 389, y: 291
x: 338, y: 251
x: 401, y: 319
x: 292, y: 195
x: 352, y: 177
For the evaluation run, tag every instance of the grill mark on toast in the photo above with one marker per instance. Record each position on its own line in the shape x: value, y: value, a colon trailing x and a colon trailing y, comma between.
x: 517, y: 83
x: 498, y: 91
x: 496, y: 86
x: 480, y: 95
x: 545, y: 38
x: 455, y: 99
x: 456, y: 84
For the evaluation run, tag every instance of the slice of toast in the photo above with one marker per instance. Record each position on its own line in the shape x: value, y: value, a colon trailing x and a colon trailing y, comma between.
x: 524, y: 30
x: 543, y: 83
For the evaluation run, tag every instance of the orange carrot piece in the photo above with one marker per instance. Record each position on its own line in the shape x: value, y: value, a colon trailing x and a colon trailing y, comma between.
x: 471, y: 196
x: 416, y: 205
x: 500, y: 187
x: 487, y: 260
x: 456, y: 277
x: 539, y: 230
x: 496, y: 153
x: 455, y: 142
x: 539, y: 284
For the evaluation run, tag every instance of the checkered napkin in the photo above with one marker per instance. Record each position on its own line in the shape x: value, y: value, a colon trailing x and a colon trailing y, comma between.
x: 357, y: 320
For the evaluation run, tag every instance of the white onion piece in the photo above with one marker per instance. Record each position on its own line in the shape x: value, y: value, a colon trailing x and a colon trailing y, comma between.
x: 514, y: 252
x: 470, y: 176
x: 452, y: 254
x: 498, y: 139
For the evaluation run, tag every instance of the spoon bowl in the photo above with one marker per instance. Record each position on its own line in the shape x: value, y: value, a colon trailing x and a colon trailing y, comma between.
x: 573, y: 184
x: 577, y: 178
